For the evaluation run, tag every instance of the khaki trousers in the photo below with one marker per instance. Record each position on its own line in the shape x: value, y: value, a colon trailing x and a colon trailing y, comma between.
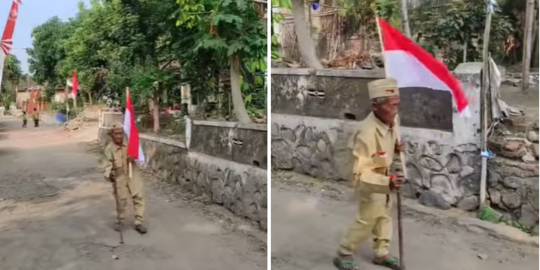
x: 372, y: 220
x: 130, y: 187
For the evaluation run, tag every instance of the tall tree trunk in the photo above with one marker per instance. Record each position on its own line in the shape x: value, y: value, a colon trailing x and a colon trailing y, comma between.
x: 405, y: 19
x: 527, y: 44
x: 155, y: 108
x: 238, y: 101
x: 306, y: 46
x: 534, y: 61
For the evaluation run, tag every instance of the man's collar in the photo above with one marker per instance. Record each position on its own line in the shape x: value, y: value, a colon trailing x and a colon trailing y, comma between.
x: 117, y: 147
x: 381, y: 127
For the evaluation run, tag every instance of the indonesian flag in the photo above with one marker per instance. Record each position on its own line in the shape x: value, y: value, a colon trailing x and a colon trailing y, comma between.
x: 7, y: 37
x: 411, y: 66
x: 134, y: 147
x: 75, y: 85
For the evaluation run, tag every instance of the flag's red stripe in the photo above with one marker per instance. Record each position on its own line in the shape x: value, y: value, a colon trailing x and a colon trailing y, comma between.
x: 133, y: 143
x: 10, y: 24
x: 75, y: 85
x: 393, y: 40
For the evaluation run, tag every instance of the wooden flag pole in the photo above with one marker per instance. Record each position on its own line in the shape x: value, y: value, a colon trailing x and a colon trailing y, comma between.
x: 130, y: 167
x: 484, y: 103
x: 403, y: 169
x: 75, y: 104
x: 130, y: 163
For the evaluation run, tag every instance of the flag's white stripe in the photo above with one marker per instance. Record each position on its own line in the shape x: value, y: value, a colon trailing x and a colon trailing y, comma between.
x: 127, y: 131
x: 409, y: 72
x: 2, y: 59
x: 141, y: 154
x: 127, y: 123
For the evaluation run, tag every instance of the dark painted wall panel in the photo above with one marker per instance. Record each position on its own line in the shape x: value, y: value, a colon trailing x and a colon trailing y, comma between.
x: 244, y: 146
x: 347, y: 98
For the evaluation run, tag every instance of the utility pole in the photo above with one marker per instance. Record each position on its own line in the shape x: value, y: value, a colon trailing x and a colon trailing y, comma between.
x: 527, y: 44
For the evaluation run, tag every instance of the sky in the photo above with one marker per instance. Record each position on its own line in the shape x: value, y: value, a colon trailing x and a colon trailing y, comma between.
x: 31, y: 14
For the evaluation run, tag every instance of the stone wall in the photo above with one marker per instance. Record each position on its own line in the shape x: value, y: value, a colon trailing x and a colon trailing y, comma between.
x: 315, y: 113
x: 513, y: 174
x: 211, y: 165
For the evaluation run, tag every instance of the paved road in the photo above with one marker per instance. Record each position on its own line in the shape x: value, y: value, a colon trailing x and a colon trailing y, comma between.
x: 308, y: 220
x: 56, y: 213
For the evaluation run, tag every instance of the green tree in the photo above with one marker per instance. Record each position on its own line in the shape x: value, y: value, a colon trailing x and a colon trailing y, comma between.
x: 115, y: 44
x: 47, y: 52
x: 459, y: 33
x: 230, y: 31
x: 11, y: 75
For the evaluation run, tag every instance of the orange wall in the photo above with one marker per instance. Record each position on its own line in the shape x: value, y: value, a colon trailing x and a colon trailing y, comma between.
x: 34, y: 103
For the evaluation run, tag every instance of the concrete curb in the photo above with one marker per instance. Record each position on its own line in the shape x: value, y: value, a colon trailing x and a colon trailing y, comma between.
x: 457, y: 217
x: 499, y: 231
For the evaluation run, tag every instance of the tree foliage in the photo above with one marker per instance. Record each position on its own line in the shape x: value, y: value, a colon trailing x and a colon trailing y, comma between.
x: 12, y: 74
x: 461, y: 28
x: 230, y: 32
x: 145, y: 45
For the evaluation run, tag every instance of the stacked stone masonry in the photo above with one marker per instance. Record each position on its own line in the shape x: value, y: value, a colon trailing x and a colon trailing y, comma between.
x: 319, y: 111
x: 214, y: 167
x: 513, y: 174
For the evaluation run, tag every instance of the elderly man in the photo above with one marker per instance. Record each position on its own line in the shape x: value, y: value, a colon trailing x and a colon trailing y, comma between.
x: 374, y: 146
x: 116, y: 171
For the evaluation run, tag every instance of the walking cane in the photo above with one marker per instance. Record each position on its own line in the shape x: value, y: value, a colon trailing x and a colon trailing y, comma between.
x: 400, y: 231
x: 399, y: 212
x: 118, y: 214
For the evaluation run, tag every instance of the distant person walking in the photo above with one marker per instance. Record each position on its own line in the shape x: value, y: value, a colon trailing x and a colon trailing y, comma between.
x: 35, y: 116
x: 24, y: 119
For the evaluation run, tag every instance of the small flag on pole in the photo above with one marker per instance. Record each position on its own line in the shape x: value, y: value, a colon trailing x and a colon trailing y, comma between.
x: 412, y: 66
x: 134, y: 147
x: 75, y: 84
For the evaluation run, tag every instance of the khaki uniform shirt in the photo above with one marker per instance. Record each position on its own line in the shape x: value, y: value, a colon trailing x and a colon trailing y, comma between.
x: 116, y: 160
x: 35, y: 115
x: 374, y: 148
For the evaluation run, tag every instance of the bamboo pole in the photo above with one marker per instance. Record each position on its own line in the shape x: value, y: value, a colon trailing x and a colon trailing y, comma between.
x: 484, y: 109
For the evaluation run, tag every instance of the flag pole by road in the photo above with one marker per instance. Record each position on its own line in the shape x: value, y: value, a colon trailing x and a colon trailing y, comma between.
x: 403, y: 168
x: 484, y: 105
x: 75, y: 90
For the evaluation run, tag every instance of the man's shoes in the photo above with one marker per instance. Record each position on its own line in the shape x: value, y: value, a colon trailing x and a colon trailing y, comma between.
x: 141, y: 229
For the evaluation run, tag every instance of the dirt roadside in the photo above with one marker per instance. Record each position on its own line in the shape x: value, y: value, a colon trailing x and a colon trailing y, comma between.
x: 309, y: 217
x: 56, y: 212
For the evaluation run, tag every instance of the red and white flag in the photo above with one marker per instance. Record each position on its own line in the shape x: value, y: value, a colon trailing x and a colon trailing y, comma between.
x: 75, y: 84
x: 412, y: 66
x: 7, y: 36
x: 134, y: 147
